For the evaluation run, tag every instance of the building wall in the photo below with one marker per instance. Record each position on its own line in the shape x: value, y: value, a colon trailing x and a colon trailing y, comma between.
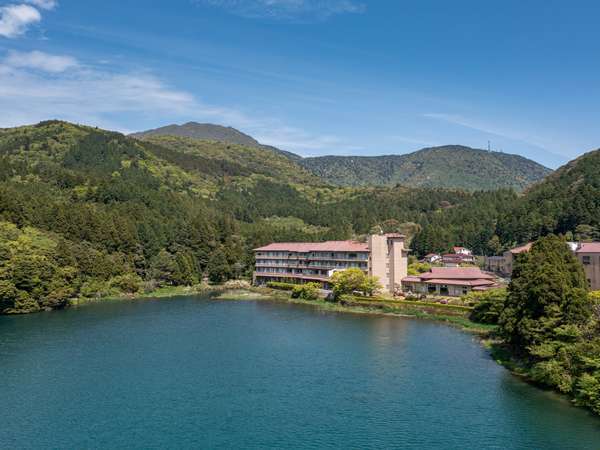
x: 389, y: 261
x: 591, y: 265
x: 379, y: 262
x: 435, y: 289
x: 398, y: 263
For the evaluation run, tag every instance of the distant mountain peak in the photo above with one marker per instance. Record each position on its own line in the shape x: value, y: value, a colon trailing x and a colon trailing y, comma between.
x: 446, y: 166
x: 211, y: 132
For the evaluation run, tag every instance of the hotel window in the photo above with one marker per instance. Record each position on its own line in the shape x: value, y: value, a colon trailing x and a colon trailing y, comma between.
x: 586, y: 260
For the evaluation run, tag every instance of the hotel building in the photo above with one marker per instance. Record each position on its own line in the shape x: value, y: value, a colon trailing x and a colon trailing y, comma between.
x: 383, y: 256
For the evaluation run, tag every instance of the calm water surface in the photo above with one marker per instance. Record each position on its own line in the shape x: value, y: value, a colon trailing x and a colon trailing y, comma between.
x: 191, y: 372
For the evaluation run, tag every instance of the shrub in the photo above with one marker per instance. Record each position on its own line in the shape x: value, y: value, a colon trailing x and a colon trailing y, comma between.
x: 129, y: 283
x: 308, y: 291
x: 236, y: 284
x: 488, y: 305
x: 281, y: 286
x: 95, y: 288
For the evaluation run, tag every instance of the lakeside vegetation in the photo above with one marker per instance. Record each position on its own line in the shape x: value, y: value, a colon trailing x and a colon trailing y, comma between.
x: 88, y: 214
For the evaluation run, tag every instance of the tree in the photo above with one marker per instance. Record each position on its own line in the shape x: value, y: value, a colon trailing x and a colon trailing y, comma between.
x: 345, y: 282
x: 370, y: 285
x: 219, y: 269
x: 548, y: 292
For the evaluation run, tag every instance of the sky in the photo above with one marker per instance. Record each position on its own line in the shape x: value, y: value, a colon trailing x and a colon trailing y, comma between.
x: 316, y: 77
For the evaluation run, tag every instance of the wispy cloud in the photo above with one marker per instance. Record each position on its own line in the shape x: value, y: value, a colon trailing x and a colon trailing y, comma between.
x: 288, y: 9
x: 485, y: 128
x: 36, y: 86
x: 43, y: 4
x: 300, y: 141
x: 40, y: 61
x: 16, y: 19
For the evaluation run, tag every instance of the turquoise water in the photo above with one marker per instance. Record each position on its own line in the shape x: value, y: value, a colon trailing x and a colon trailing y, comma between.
x: 195, y: 373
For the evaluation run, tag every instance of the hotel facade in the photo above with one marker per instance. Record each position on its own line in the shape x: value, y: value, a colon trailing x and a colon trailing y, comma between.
x: 382, y: 255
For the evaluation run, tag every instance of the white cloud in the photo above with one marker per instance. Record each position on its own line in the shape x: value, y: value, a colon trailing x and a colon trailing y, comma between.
x: 288, y: 9
x: 36, y: 86
x: 40, y: 61
x: 15, y: 19
x: 43, y: 4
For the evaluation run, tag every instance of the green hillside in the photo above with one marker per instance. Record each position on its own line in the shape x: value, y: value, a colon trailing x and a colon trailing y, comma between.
x: 454, y: 167
x: 214, y: 133
x: 86, y: 212
x: 567, y: 202
x: 215, y: 160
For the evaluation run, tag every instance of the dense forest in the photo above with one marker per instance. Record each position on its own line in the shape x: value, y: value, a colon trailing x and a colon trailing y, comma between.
x: 450, y: 166
x: 87, y: 212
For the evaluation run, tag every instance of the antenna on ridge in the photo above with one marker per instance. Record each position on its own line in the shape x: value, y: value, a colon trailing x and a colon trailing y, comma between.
x: 489, y: 146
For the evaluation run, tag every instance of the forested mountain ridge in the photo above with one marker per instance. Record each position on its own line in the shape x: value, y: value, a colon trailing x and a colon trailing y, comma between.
x: 211, y: 132
x: 215, y: 159
x: 86, y: 212
x: 566, y: 202
x: 451, y: 166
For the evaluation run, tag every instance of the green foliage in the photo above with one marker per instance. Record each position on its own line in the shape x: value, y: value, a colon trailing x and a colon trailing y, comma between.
x: 488, y: 305
x: 31, y: 274
x: 349, y: 281
x: 128, y: 283
x: 471, y: 169
x: 552, y: 325
x: 308, y: 291
x: 548, y: 289
x: 417, y: 268
x: 568, y: 201
x: 281, y: 286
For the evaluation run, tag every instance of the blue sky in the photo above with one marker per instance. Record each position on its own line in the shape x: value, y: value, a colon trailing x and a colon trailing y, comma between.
x: 314, y: 76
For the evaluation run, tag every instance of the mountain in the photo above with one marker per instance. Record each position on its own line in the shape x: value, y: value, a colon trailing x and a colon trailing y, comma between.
x: 211, y: 132
x: 452, y: 166
x: 86, y: 212
x: 566, y: 202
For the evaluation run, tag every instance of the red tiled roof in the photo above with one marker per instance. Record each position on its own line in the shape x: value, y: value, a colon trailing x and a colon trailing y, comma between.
x: 413, y: 279
x: 589, y: 247
x: 305, y: 247
x: 521, y: 249
x: 477, y: 282
x: 457, y: 273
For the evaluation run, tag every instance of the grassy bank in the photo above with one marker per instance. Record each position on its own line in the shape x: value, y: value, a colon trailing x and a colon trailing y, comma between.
x: 451, y: 314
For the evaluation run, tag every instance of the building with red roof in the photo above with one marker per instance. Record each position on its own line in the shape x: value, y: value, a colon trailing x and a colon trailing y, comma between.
x: 450, y: 281
x: 383, y: 256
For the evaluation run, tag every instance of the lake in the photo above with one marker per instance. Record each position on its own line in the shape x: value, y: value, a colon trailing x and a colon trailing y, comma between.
x: 192, y: 372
